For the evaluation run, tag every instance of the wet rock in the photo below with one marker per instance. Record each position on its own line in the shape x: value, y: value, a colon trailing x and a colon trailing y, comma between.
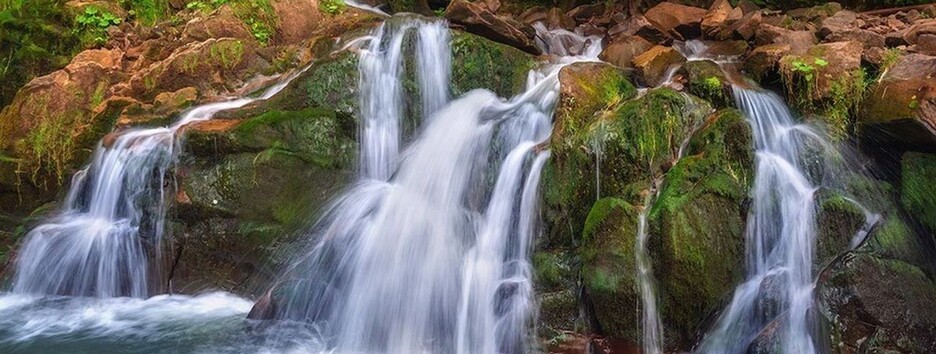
x: 622, y: 50
x: 900, y: 108
x: 415, y: 6
x: 212, y: 66
x: 533, y: 15
x: 707, y: 80
x: 918, y: 170
x: 608, y: 267
x: 653, y: 64
x: 878, y: 304
x: 697, y: 225
x: 583, y: 13
x: 743, y: 29
x: 555, y: 18
x: 177, y: 100
x: 679, y: 21
x: 477, y: 19
x: 587, y: 91
x: 838, y: 221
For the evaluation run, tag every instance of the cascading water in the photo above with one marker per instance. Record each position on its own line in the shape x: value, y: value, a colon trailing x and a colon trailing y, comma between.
x: 112, y: 224
x: 780, y: 235
x: 431, y: 256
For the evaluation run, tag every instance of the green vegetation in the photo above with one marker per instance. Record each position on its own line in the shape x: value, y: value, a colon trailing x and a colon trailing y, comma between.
x: 93, y: 24
x: 35, y: 39
x: 147, y: 12
x: 259, y: 17
x: 834, y: 97
x: 332, y: 7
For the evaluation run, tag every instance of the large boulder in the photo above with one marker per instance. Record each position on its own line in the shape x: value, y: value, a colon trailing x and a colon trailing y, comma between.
x: 653, y: 65
x: 679, y: 21
x: 477, y: 19
x: 697, y: 225
x: 55, y: 121
x: 622, y: 50
x: 900, y: 108
x: 588, y: 90
x: 875, y: 304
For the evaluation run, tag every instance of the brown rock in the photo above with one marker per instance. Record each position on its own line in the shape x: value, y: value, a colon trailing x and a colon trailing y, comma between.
x: 533, y: 15
x: 841, y: 61
x: 212, y: 66
x: 77, y: 7
x: 799, y: 41
x: 868, y: 38
x: 478, y: 20
x: 558, y: 19
x: 622, y: 50
x: 765, y: 59
x: 584, y: 13
x: 841, y: 21
x: 296, y: 19
x: 639, y: 26
x: 680, y: 21
x: 919, y: 28
x: 901, y: 106
x: 52, y: 121
x: 745, y: 28
x: 653, y: 64
x: 177, y: 100
x: 715, y: 20
x: 926, y: 44
x: 221, y: 24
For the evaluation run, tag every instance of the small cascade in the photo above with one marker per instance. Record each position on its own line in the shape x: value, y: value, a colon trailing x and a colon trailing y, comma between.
x: 780, y: 236
x: 112, y: 225
x: 650, y: 325
x: 431, y: 254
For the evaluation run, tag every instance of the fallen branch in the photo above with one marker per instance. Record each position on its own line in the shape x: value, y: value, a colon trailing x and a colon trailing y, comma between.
x: 893, y: 10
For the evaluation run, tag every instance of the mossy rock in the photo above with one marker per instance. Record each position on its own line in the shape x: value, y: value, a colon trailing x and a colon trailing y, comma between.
x: 588, y: 91
x: 838, y: 220
x: 697, y: 225
x: 478, y: 62
x: 707, y: 80
x: 917, y: 190
x: 609, y: 268
x: 878, y: 305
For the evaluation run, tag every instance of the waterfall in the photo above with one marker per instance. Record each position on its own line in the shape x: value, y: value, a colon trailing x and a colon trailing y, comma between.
x: 101, y: 244
x: 780, y: 236
x: 432, y: 253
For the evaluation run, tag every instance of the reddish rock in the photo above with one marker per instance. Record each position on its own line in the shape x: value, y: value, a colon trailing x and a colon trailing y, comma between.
x: 842, y: 60
x: 533, y: 15
x: 902, y: 104
x: 478, y: 20
x: 926, y: 44
x: 799, y: 41
x: 919, y: 28
x: 296, y: 19
x: 716, y: 19
x: 212, y: 66
x: 586, y: 12
x: 765, y: 59
x: 680, y: 21
x: 622, y: 50
x: 639, y: 26
x: 222, y: 24
x: 558, y: 19
x: 653, y: 64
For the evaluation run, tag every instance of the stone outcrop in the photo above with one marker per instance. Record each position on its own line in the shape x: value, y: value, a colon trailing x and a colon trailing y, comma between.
x: 479, y: 20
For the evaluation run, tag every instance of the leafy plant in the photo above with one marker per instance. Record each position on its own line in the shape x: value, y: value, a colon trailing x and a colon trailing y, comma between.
x: 332, y: 7
x: 92, y: 25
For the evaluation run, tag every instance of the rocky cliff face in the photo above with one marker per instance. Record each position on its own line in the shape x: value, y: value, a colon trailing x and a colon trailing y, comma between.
x: 674, y: 150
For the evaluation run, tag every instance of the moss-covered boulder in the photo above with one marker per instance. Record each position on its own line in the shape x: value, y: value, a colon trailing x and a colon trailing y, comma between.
x: 917, y: 192
x: 707, y: 80
x: 697, y: 225
x: 245, y: 185
x: 588, y: 91
x: 838, y: 221
x: 478, y: 62
x: 609, y: 268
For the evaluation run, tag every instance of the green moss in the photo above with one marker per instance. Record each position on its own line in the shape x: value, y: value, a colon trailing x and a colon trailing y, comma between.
x: 314, y: 135
x: 147, y: 12
x: 259, y: 16
x: 838, y: 220
x: 482, y: 63
x: 227, y: 53
x: 837, y: 104
x: 918, y: 171
x: 332, y: 7
x: 706, y: 80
